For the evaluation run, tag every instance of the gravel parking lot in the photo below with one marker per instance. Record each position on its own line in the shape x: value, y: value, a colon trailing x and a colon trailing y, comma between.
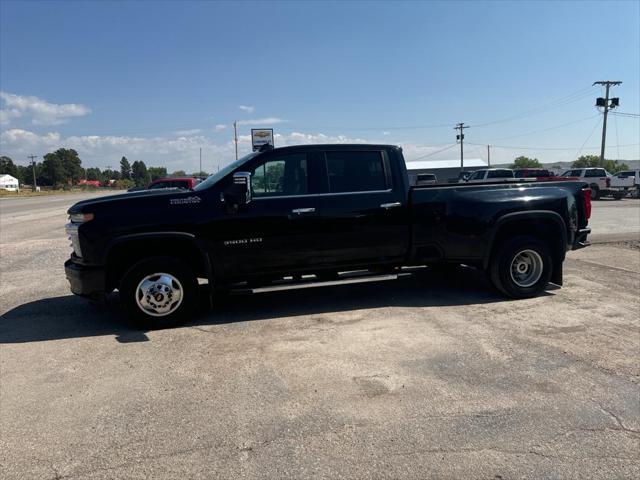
x: 424, y: 377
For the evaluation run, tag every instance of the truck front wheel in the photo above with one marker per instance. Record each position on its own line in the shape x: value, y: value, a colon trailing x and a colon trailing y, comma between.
x: 159, y: 292
x: 521, y: 267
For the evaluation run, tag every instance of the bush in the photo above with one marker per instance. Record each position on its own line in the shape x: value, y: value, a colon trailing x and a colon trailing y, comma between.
x: 123, y: 184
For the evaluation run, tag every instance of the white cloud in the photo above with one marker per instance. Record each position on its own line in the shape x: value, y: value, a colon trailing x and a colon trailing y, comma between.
x: 187, y: 133
x: 386, y: 134
x: 173, y: 152
x: 261, y: 121
x: 247, y: 108
x: 219, y: 127
x: 39, y: 111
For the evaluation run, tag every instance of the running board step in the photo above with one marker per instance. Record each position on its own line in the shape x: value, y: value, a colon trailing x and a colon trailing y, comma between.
x: 328, y: 283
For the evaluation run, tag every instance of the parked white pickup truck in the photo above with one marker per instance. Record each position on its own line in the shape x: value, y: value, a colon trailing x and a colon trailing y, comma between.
x: 490, y: 175
x: 599, y: 181
x: 629, y: 180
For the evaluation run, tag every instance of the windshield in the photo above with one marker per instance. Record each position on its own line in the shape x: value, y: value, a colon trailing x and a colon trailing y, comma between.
x: 213, y: 179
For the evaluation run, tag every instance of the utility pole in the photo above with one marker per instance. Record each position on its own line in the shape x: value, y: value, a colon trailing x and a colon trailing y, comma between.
x: 33, y: 166
x: 200, y: 171
x: 604, y: 102
x: 235, y: 137
x: 460, y: 137
x: 488, y: 155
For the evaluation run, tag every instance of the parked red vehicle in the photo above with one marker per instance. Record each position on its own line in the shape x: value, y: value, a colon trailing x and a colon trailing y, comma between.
x: 174, y: 182
x: 539, y: 175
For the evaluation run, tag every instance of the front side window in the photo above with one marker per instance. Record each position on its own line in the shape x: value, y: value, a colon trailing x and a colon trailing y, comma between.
x: 355, y: 171
x: 280, y: 176
x: 479, y: 175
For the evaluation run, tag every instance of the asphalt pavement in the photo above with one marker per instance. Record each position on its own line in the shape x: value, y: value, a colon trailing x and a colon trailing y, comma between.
x: 426, y: 377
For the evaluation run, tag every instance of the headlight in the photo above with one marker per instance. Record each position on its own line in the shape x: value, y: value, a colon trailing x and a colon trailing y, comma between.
x: 80, y: 217
x: 77, y: 219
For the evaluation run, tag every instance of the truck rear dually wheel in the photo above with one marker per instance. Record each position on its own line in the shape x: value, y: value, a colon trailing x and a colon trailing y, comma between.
x: 159, y: 292
x: 521, y: 267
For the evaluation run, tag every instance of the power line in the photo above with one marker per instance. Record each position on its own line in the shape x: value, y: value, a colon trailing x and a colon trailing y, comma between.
x: 515, y: 147
x: 434, y: 153
x: 567, y: 99
x: 550, y: 128
x: 623, y: 114
x: 588, y: 138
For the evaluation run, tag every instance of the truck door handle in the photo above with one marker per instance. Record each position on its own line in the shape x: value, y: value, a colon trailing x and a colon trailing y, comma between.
x: 300, y: 211
x: 391, y: 205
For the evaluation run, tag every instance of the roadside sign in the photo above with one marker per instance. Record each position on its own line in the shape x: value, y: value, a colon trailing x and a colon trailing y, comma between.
x: 260, y: 137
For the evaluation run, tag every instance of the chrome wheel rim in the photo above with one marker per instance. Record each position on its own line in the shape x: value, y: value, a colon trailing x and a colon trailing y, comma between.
x: 159, y: 294
x: 526, y: 268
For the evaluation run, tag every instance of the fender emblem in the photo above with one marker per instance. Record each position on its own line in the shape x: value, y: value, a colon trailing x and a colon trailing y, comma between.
x: 185, y: 201
x: 242, y: 241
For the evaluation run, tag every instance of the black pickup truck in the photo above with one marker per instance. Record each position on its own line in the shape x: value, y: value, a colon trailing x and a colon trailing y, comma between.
x: 318, y: 210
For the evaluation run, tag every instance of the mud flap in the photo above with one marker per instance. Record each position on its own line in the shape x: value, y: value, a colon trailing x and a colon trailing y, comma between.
x: 556, y: 275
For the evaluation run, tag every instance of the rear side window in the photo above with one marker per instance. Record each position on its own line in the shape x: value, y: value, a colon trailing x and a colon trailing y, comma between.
x: 500, y: 174
x: 572, y: 173
x: 596, y: 172
x: 355, y: 171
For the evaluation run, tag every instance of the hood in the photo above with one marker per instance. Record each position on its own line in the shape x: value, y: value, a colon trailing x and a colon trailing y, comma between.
x: 88, y: 206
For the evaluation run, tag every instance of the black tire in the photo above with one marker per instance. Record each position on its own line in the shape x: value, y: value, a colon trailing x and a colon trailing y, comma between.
x: 595, y: 192
x: 503, y: 260
x: 618, y: 196
x: 182, y: 279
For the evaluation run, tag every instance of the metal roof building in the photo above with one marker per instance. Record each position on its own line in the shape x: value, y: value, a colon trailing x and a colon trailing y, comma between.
x: 445, y: 170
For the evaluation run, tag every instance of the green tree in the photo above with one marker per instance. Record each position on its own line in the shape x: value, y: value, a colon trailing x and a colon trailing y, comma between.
x: 139, y: 174
x: 157, y: 172
x: 525, y: 162
x: 94, y: 173
x: 109, y: 174
x: 612, y: 166
x: 53, y: 171
x: 25, y: 173
x: 7, y: 167
x: 179, y: 173
x: 71, y: 163
x: 201, y: 174
x: 586, y: 161
x: 63, y: 166
x: 125, y: 168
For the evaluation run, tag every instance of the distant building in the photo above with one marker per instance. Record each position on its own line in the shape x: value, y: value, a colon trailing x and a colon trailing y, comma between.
x: 446, y: 170
x: 90, y: 183
x: 7, y: 182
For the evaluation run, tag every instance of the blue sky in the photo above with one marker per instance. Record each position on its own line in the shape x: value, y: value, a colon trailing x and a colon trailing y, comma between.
x: 157, y: 81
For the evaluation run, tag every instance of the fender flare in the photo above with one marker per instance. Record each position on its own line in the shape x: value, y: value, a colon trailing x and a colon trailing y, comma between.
x: 528, y: 215
x: 191, y: 238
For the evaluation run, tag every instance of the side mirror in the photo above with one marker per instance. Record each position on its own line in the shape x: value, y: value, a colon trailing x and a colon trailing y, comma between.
x: 239, y: 193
